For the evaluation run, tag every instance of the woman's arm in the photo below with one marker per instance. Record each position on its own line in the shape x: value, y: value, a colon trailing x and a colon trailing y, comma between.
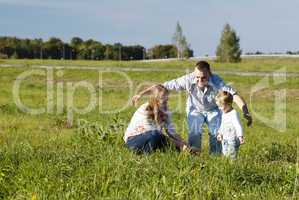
x: 174, y: 137
x: 178, y: 141
x: 175, y: 84
x: 147, y: 91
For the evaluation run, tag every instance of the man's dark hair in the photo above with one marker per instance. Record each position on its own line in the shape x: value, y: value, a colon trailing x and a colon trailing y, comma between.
x: 203, y: 65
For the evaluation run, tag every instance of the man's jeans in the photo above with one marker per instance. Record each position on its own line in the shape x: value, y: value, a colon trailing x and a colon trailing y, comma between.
x: 147, y: 142
x: 195, y: 122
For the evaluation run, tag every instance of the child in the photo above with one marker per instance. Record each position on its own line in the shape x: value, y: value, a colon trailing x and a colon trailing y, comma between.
x: 230, y: 132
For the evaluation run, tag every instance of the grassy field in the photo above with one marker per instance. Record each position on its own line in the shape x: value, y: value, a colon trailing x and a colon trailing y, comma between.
x: 43, y: 157
x: 248, y: 64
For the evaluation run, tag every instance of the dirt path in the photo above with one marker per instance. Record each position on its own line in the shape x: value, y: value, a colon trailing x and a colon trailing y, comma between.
x: 125, y: 69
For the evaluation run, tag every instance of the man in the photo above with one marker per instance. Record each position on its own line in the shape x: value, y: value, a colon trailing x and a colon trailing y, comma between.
x: 202, y: 87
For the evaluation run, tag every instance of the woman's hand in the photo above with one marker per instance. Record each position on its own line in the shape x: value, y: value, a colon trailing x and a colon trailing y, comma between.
x: 135, y: 99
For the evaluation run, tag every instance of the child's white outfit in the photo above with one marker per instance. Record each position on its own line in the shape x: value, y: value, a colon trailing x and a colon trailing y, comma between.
x: 230, y: 129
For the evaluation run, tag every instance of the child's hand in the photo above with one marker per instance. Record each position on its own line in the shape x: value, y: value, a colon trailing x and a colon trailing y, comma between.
x: 241, y: 139
x: 219, y: 137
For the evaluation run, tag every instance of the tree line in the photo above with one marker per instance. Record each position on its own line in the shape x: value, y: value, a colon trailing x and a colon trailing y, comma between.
x: 79, y: 49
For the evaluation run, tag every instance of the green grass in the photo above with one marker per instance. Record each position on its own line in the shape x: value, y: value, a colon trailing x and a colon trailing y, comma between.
x: 268, y: 64
x: 41, y: 156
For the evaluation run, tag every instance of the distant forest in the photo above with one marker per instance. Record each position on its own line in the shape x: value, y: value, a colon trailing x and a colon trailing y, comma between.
x: 79, y: 49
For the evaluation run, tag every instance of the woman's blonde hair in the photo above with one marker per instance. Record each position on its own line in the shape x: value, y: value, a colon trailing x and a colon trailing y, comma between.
x: 157, y: 111
x: 224, y: 98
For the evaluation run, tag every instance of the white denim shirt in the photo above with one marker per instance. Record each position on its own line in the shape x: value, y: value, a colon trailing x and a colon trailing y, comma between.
x: 197, y: 99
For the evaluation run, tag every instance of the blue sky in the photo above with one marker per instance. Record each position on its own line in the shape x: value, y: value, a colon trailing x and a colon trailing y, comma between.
x: 265, y: 25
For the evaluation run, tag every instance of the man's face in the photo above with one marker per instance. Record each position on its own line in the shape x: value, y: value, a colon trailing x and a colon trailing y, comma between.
x: 202, y: 77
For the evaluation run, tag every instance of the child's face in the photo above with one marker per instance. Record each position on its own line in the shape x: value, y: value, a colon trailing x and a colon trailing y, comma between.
x: 225, y: 107
x: 221, y: 105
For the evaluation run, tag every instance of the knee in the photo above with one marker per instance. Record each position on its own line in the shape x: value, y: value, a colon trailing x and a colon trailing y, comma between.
x: 158, y: 139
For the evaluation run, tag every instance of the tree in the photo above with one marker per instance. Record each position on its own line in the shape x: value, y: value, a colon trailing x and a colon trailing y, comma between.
x: 229, y: 48
x: 76, y: 44
x: 117, y: 51
x: 108, y: 52
x: 53, y: 48
x: 37, y: 48
x: 163, y: 51
x: 180, y: 41
x: 132, y: 52
x: 188, y: 53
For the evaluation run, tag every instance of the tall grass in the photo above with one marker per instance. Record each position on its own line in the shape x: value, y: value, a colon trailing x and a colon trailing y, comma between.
x: 43, y: 157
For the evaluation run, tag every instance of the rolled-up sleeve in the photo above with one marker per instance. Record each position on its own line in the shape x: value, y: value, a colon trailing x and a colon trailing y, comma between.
x: 220, y: 85
x: 177, y: 84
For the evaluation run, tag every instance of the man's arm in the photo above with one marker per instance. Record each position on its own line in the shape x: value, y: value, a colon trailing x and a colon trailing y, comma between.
x: 243, y: 106
x: 220, y: 84
x: 179, y: 83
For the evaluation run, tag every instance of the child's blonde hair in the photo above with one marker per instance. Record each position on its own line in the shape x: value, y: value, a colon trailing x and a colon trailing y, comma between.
x: 224, y: 98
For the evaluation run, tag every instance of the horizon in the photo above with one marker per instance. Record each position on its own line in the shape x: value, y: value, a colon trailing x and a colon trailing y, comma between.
x: 131, y: 22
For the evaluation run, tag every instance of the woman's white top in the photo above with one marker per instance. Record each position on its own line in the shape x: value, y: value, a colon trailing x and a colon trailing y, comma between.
x: 140, y: 123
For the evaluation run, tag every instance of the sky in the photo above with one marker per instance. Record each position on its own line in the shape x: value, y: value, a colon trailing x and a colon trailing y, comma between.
x: 264, y: 25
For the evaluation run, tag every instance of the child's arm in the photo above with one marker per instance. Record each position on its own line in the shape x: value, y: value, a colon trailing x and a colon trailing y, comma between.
x: 219, y: 137
x: 219, y: 134
x: 241, y: 139
x: 238, y: 127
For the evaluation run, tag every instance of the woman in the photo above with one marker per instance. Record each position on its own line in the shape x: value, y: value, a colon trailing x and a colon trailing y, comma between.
x: 144, y: 133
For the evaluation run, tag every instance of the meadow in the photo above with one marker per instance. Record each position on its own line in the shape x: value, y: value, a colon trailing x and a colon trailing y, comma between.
x: 45, y: 157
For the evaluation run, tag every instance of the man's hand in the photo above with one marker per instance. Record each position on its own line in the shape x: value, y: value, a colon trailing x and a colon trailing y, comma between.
x: 247, y: 115
x: 248, y: 118
x: 135, y: 99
